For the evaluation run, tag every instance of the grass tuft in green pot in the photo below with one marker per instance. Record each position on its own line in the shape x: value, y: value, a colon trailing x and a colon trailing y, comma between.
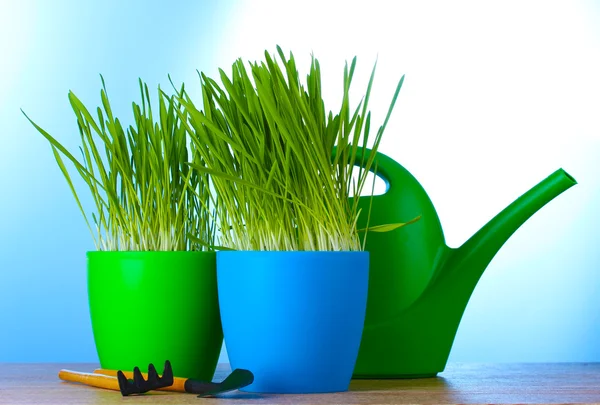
x: 152, y: 281
x: 293, y: 284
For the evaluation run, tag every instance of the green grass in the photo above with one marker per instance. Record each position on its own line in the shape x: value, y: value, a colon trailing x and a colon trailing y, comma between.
x: 281, y: 166
x: 146, y: 196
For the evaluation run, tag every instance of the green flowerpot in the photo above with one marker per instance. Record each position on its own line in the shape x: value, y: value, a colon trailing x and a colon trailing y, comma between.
x: 148, y: 307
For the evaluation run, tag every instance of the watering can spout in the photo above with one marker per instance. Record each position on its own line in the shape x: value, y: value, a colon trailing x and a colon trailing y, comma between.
x: 469, y: 261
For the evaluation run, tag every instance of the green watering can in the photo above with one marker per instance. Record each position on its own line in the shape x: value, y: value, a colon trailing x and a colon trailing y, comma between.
x: 418, y: 286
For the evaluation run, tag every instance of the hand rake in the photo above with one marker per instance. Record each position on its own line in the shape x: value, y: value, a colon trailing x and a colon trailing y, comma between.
x: 139, y: 385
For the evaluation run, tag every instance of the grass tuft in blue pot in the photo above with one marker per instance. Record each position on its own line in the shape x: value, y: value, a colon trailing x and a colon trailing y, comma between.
x: 292, y: 274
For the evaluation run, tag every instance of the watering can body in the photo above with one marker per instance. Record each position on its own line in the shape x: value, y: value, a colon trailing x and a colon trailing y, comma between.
x: 418, y: 286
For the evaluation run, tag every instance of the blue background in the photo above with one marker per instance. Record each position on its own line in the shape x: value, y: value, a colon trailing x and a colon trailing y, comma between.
x: 497, y: 96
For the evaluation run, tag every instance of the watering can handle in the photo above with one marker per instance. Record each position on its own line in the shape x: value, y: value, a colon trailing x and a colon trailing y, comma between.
x: 387, y: 168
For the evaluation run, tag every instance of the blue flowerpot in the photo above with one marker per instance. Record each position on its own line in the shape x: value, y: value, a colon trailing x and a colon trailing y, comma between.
x: 295, y: 319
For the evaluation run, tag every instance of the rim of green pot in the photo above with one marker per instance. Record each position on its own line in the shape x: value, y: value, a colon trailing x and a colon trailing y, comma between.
x: 135, y: 253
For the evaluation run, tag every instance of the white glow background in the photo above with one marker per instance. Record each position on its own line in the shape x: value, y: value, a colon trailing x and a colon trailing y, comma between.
x: 497, y: 96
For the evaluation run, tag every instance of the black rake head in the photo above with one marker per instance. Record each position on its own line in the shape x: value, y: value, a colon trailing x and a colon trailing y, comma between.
x: 139, y: 385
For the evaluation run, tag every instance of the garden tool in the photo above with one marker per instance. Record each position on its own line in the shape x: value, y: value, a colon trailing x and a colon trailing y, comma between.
x: 238, y: 378
x: 120, y: 383
x: 139, y: 385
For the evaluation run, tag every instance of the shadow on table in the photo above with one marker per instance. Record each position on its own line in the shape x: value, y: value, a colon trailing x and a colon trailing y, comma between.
x: 240, y: 395
x: 433, y: 383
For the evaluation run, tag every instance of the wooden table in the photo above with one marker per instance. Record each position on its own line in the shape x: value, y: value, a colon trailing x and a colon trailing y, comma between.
x: 460, y: 383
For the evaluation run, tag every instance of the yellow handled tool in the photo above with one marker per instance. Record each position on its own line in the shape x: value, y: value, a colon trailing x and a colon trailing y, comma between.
x: 93, y: 379
x: 137, y: 385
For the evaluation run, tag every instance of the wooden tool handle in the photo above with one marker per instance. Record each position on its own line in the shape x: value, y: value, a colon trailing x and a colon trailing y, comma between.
x: 94, y: 380
x: 178, y: 382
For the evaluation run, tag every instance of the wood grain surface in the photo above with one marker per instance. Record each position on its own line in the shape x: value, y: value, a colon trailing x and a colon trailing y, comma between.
x: 459, y: 383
